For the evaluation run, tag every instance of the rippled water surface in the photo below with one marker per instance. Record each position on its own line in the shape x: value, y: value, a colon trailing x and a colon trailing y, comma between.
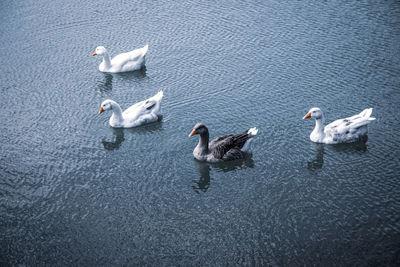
x: 74, y: 191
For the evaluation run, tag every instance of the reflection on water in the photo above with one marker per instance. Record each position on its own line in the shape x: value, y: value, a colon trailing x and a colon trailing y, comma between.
x: 147, y: 128
x: 119, y: 134
x: 318, y: 160
x: 351, y: 148
x: 204, y: 182
x: 348, y: 148
x: 204, y: 169
x: 106, y: 84
x: 141, y: 73
x: 119, y: 138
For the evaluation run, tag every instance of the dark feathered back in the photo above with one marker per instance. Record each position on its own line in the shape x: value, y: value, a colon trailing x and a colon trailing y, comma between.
x: 225, y: 143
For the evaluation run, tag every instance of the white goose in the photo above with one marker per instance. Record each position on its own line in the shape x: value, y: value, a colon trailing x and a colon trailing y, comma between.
x: 345, y: 130
x: 130, y: 61
x: 146, y: 111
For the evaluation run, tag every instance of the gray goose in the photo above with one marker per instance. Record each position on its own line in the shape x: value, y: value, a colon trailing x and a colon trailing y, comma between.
x: 223, y: 148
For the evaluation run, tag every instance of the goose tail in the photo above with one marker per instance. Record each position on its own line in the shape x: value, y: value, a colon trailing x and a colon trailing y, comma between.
x: 366, y: 113
x: 158, y: 96
x: 247, y: 145
x: 145, y: 48
x: 252, y: 131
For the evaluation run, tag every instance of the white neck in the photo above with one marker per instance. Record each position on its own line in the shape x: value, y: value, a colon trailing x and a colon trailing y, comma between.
x: 318, y: 134
x: 106, y: 60
x: 116, y: 116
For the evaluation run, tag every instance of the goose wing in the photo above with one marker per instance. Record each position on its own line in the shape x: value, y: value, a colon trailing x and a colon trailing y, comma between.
x: 124, y: 59
x: 233, y: 153
x: 134, y: 108
x: 221, y: 147
x: 146, y: 106
x: 351, y: 127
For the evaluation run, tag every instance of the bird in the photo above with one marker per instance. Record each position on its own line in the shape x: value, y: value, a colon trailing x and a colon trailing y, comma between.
x: 143, y: 112
x: 129, y: 61
x: 347, y: 130
x: 223, y: 148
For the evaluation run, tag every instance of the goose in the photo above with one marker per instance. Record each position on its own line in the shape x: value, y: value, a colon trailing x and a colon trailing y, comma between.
x: 130, y: 61
x: 223, y: 148
x: 146, y: 111
x: 345, y: 130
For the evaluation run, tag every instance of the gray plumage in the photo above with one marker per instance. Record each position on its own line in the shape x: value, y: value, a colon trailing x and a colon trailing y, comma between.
x: 223, y: 148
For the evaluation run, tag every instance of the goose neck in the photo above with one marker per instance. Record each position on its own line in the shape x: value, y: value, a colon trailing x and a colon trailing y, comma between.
x: 116, y: 112
x: 203, y: 142
x: 318, y: 131
x: 319, y: 124
x: 106, y: 59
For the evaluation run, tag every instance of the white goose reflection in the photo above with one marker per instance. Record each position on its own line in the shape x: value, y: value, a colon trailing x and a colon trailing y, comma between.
x: 319, y: 151
x: 119, y: 133
x: 106, y: 84
x: 318, y: 161
x: 119, y: 138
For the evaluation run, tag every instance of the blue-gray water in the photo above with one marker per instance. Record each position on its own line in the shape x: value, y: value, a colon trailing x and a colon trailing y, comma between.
x: 74, y: 191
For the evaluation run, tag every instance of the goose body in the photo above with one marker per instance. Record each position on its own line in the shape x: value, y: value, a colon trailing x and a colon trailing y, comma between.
x: 223, y: 148
x: 129, y: 61
x: 143, y: 112
x: 345, y: 130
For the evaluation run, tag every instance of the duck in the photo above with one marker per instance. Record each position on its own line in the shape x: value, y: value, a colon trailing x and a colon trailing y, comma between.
x: 129, y: 61
x: 347, y: 130
x: 143, y: 112
x: 223, y: 148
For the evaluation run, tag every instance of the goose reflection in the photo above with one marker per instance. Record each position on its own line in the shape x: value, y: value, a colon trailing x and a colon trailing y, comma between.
x: 204, y: 169
x: 319, y: 151
x: 119, y: 138
x: 106, y: 84
x: 352, y: 148
x: 120, y: 132
x: 141, y: 73
x: 318, y: 160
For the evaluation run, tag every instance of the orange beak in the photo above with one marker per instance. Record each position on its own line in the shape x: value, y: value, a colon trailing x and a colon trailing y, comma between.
x: 101, y: 110
x: 192, y: 133
x: 307, y: 116
x: 94, y: 53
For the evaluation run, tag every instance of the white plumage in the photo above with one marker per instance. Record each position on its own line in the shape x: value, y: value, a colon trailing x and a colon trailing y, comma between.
x: 247, y: 145
x: 129, y: 61
x: 345, y: 130
x: 253, y: 131
x: 146, y: 111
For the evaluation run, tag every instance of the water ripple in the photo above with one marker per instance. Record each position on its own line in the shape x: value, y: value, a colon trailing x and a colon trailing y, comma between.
x: 72, y: 184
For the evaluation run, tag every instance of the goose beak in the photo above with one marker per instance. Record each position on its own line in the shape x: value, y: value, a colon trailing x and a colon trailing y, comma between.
x: 101, y: 110
x: 94, y: 53
x: 307, y: 116
x: 192, y: 133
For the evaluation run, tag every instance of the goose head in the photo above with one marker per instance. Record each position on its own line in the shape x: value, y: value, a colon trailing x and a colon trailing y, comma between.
x: 106, y: 105
x: 199, y: 128
x: 100, y: 50
x: 315, y: 113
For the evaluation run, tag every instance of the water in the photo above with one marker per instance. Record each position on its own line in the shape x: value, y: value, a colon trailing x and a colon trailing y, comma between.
x: 76, y: 192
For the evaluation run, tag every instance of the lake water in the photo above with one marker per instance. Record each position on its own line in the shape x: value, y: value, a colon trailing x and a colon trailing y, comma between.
x: 74, y: 191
